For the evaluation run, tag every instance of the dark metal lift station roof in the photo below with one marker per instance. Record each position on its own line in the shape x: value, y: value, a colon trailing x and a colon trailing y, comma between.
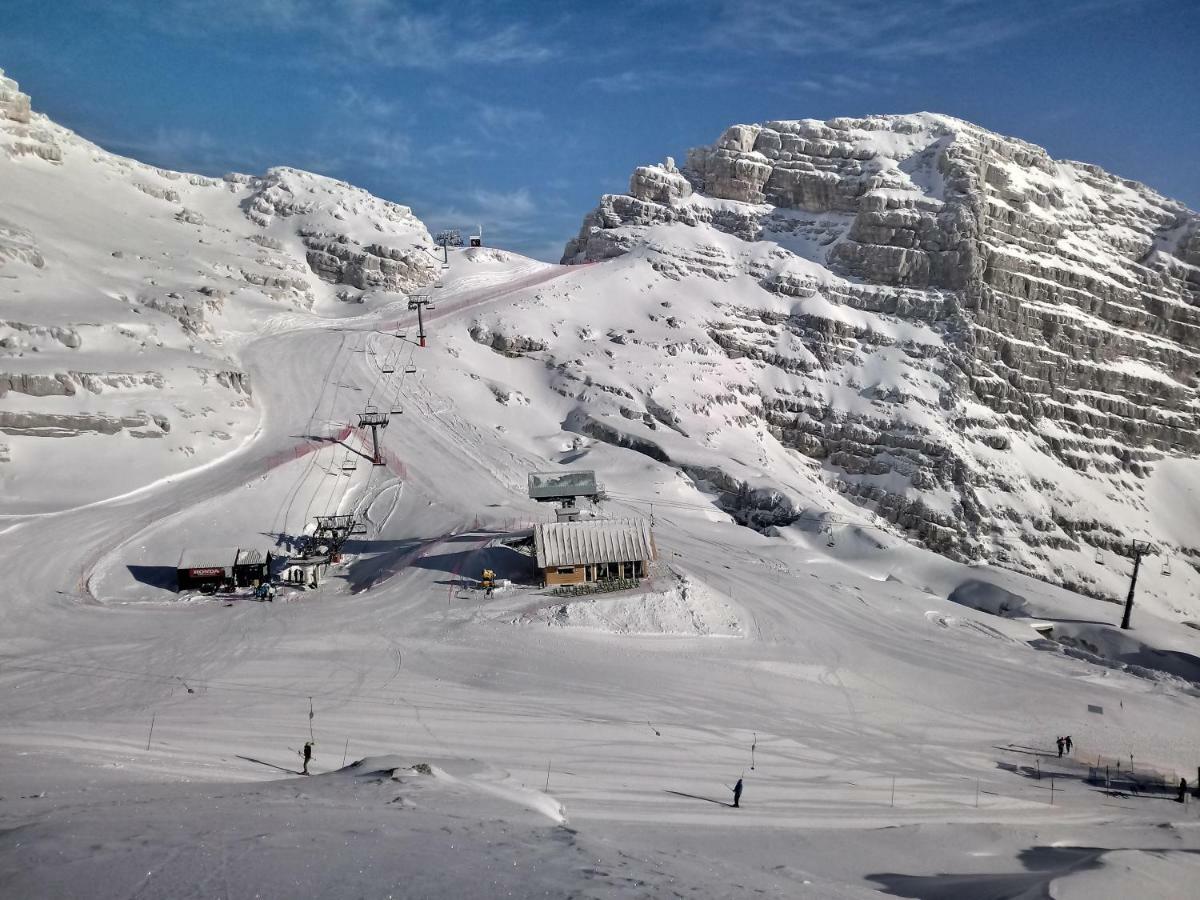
x: 545, y: 486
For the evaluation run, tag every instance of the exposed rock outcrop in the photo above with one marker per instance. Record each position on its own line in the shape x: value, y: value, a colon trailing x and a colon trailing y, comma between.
x: 967, y: 317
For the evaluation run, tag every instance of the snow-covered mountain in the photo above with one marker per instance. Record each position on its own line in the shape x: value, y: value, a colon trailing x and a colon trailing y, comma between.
x: 904, y: 321
x: 125, y: 290
x: 996, y: 351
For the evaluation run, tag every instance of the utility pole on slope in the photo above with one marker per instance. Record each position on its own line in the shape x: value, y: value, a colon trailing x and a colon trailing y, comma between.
x: 420, y: 302
x: 1140, y: 549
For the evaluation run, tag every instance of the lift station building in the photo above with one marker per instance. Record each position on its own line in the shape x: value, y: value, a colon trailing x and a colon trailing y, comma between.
x: 215, y: 566
x: 579, y: 552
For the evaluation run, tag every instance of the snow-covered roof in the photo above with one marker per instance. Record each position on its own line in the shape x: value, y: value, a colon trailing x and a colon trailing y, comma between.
x: 585, y: 543
x: 250, y: 557
x: 207, y: 557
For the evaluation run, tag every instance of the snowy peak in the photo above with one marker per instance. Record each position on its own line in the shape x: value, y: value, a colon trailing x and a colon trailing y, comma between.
x: 992, y: 349
x: 13, y: 104
x: 128, y: 290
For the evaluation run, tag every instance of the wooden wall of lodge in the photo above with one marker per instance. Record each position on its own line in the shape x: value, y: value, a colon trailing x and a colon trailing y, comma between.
x: 582, y: 574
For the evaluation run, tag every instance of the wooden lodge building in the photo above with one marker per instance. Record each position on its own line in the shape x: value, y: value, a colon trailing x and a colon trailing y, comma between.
x: 580, y: 552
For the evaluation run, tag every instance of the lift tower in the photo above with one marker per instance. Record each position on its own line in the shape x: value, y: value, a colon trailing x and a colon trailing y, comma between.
x: 373, y: 419
x: 420, y: 302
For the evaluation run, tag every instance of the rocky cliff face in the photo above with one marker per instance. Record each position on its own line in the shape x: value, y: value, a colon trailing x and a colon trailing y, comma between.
x: 126, y: 291
x: 992, y: 349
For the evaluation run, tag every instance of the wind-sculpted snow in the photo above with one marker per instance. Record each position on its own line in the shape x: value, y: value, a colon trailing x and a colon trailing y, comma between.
x: 992, y: 350
x: 128, y: 291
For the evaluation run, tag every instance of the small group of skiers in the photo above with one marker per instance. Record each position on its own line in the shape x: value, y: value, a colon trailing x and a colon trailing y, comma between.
x: 265, y: 591
x: 1064, y: 743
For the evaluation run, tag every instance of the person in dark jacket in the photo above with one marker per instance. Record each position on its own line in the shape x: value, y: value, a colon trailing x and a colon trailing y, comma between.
x: 307, y: 754
x: 1061, y: 743
x: 1067, y: 743
x: 737, y: 794
x: 1182, y: 798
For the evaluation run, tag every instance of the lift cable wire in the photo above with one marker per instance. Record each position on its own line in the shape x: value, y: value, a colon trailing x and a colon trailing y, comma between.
x: 307, y: 469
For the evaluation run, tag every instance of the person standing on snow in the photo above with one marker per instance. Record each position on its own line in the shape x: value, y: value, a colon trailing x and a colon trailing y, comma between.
x: 737, y: 794
x: 307, y: 754
x: 1061, y: 743
x: 1067, y: 743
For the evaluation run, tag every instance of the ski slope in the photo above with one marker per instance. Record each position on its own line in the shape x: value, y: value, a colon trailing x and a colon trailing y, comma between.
x: 886, y: 727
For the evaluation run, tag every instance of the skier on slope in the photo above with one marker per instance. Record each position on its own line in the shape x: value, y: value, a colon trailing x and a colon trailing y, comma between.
x: 307, y: 754
x: 1061, y: 743
x: 1067, y: 743
x: 737, y: 794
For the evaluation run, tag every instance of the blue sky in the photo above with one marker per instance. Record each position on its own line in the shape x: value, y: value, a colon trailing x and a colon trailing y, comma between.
x: 520, y: 114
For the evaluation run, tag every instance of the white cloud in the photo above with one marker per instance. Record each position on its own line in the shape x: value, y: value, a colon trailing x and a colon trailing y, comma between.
x: 884, y: 30
x: 497, y: 121
x: 631, y: 81
x: 510, y: 205
x: 390, y: 33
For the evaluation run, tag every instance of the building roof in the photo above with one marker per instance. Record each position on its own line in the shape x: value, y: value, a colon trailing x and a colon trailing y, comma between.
x: 250, y: 557
x: 589, y: 542
x: 553, y: 485
x: 207, y: 557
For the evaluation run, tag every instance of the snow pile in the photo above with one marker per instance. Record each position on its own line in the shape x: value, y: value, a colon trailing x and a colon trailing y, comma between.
x: 688, y: 607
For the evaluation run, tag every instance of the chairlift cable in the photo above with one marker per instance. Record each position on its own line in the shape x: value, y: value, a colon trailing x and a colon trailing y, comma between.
x: 306, y: 471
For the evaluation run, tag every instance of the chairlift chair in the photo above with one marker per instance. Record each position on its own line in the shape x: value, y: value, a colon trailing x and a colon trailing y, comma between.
x: 1099, y: 557
x: 402, y: 334
x: 349, y: 464
x: 397, y: 410
x: 410, y: 370
x: 1166, y: 565
x: 387, y: 369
